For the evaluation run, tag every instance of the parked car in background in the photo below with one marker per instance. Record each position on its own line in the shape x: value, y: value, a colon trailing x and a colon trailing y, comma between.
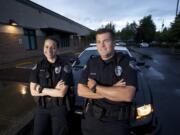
x: 144, y: 44
x: 154, y: 43
x: 121, y: 43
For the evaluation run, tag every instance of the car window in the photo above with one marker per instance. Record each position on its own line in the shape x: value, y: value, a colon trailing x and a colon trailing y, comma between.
x: 83, y: 58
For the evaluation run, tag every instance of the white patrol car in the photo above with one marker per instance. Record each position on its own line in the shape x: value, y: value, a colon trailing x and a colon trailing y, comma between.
x: 92, y: 51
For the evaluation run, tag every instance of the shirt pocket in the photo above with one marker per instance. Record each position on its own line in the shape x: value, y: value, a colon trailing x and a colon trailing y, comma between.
x: 43, y: 76
x: 93, y: 74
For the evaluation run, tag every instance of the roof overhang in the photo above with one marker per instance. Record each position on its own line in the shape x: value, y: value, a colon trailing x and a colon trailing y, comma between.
x: 49, y: 29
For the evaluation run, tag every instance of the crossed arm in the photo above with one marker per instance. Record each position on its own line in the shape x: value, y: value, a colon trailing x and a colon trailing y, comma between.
x: 59, y: 91
x: 118, y: 92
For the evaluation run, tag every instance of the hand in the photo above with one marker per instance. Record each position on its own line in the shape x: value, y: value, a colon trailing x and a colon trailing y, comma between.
x: 91, y: 83
x: 62, y: 88
x: 120, y: 83
x: 38, y: 88
x: 60, y: 84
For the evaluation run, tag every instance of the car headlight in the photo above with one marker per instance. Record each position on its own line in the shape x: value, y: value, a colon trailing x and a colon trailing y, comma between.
x: 144, y: 111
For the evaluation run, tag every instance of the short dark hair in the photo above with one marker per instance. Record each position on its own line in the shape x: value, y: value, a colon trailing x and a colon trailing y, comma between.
x: 54, y: 38
x: 105, y: 30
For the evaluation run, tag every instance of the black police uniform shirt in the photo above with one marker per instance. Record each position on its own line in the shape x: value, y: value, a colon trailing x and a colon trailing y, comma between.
x: 108, y: 72
x: 47, y: 74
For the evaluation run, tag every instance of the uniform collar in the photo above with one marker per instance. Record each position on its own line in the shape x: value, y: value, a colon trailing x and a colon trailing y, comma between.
x: 111, y: 60
x: 57, y: 61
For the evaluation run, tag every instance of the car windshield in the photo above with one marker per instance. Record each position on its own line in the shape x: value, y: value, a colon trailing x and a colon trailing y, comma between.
x: 83, y: 58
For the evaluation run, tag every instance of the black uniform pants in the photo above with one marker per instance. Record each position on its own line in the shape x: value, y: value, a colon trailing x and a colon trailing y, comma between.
x: 51, y: 120
x: 92, y: 126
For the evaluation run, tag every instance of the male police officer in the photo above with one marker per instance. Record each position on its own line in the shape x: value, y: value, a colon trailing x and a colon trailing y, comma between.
x: 109, y: 82
x: 49, y: 83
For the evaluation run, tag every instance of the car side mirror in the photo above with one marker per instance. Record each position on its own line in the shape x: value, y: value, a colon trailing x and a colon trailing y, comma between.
x: 93, y: 56
x: 75, y: 59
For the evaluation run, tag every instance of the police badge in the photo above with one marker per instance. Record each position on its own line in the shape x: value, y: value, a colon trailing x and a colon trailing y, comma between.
x: 118, y: 70
x: 57, y: 70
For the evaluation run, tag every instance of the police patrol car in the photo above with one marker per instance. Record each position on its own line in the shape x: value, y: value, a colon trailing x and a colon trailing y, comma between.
x: 91, y: 51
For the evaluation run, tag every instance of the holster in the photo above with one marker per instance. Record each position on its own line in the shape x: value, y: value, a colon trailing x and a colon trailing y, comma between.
x: 133, y: 112
x: 41, y: 102
x: 97, y: 111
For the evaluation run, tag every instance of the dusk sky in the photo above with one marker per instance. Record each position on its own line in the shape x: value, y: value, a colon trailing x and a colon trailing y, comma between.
x: 95, y: 13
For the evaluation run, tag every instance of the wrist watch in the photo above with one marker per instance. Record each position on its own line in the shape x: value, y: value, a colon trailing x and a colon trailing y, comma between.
x: 94, y: 88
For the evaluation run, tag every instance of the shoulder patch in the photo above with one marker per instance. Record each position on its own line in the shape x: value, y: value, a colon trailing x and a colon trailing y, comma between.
x: 67, y: 69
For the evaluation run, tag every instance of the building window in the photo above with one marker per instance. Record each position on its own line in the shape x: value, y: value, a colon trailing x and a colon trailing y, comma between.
x: 30, y: 39
x: 65, y: 41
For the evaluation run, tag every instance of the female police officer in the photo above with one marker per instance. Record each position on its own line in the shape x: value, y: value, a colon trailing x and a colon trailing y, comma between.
x: 48, y: 84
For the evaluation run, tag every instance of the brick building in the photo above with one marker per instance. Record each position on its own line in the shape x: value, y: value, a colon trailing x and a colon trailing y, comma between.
x: 24, y: 24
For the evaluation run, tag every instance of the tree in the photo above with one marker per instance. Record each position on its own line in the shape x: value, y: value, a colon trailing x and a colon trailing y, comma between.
x: 139, y: 35
x: 146, y: 29
x: 91, y: 36
x: 165, y: 35
x: 110, y: 26
x: 129, y: 32
x: 162, y: 36
x: 175, y: 29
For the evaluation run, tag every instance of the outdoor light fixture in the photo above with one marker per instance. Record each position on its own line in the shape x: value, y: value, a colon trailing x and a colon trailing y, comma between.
x: 12, y: 22
x: 24, y: 90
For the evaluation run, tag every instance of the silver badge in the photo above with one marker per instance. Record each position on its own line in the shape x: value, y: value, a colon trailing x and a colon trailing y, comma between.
x: 57, y: 70
x: 118, y: 70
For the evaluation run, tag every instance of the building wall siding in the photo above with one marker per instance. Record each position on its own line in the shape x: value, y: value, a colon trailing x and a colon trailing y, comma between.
x: 12, y: 48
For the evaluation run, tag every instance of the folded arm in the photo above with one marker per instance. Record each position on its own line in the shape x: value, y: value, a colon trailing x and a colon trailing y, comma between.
x: 86, y: 92
x: 59, y: 91
x: 118, y: 92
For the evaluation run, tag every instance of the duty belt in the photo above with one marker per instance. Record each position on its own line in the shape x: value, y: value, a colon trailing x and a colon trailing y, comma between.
x: 47, y: 99
x: 122, y: 113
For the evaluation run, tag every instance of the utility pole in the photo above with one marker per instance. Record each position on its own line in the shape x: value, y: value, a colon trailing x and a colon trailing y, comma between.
x: 177, y: 7
x: 162, y: 26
